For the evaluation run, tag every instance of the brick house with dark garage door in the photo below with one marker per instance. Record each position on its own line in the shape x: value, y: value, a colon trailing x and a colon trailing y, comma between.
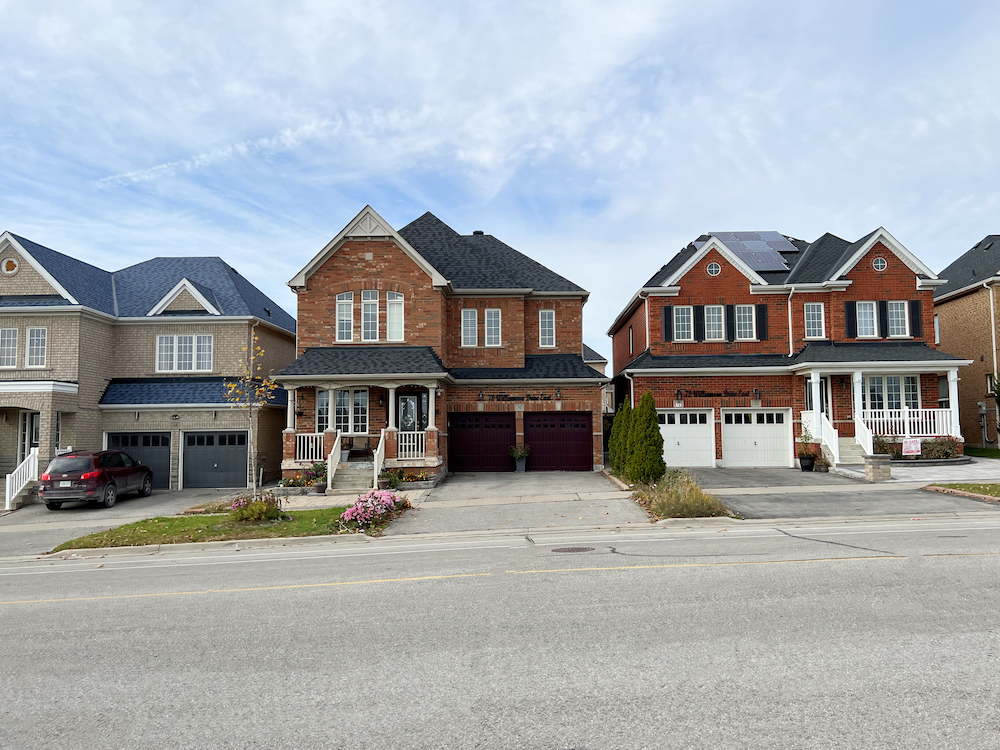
x: 744, y: 337
x: 427, y: 350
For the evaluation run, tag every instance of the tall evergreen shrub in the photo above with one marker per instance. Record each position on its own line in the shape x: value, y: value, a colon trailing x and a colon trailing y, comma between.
x: 645, y: 444
x: 618, y: 442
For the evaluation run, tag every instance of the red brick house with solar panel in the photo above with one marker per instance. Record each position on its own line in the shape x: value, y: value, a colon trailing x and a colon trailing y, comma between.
x: 744, y: 338
x: 426, y: 350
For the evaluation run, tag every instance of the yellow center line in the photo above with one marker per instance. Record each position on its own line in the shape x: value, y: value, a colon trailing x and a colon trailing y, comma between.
x: 709, y: 565
x: 236, y: 591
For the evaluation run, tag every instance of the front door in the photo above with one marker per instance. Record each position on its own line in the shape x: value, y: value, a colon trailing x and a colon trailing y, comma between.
x: 29, y: 433
x: 409, y: 413
x: 824, y: 396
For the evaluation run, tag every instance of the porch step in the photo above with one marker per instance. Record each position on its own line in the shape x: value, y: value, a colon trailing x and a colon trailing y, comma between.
x: 352, y: 477
x: 851, y: 453
x: 24, y: 496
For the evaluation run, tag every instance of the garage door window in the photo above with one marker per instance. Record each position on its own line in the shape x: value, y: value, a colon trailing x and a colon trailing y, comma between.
x: 693, y: 418
x: 758, y: 418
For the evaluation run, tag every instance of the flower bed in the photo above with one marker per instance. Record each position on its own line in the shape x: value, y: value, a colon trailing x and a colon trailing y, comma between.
x: 372, y: 512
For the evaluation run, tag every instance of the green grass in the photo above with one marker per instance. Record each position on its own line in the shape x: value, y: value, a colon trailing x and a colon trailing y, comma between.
x: 993, y: 490
x: 204, y: 528
x: 982, y: 452
x: 677, y: 495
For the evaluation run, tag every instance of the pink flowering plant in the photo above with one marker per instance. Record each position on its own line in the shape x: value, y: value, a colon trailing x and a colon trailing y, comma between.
x: 266, y: 507
x: 372, y: 509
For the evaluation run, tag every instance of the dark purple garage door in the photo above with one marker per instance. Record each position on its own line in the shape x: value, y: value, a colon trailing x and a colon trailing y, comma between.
x: 478, y: 441
x: 560, y: 441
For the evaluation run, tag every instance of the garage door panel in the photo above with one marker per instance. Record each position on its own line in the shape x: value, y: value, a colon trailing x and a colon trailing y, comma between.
x: 688, y: 437
x: 756, y: 438
x: 149, y: 448
x: 215, y: 459
x: 479, y: 441
x: 560, y: 441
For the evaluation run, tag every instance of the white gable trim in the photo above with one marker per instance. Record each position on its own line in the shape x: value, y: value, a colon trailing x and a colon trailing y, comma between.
x: 183, y: 286
x: 714, y: 244
x: 366, y: 224
x: 38, y: 267
x: 895, y: 247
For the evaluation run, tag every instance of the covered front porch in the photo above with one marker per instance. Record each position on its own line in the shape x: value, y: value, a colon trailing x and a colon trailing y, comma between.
x: 882, y: 400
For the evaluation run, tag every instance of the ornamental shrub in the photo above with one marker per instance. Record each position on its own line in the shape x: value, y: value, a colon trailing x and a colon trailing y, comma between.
x: 618, y: 441
x: 371, y: 509
x: 644, y: 462
x: 267, y: 507
x: 941, y: 447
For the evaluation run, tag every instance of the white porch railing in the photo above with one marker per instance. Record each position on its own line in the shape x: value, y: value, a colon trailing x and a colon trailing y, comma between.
x: 864, y: 436
x: 17, y: 480
x: 332, y: 461
x: 907, y: 422
x: 411, y: 444
x: 309, y: 447
x: 379, y: 458
x: 830, y: 436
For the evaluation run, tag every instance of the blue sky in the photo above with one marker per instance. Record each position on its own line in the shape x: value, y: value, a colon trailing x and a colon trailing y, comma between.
x: 599, y: 138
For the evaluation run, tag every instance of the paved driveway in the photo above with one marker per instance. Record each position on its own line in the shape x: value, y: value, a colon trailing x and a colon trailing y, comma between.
x: 791, y: 493
x: 520, y: 502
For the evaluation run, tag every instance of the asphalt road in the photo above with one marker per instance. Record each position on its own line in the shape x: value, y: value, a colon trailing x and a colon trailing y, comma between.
x: 814, y: 635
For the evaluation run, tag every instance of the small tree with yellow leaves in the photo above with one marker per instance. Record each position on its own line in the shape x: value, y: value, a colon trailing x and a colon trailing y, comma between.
x: 249, y: 393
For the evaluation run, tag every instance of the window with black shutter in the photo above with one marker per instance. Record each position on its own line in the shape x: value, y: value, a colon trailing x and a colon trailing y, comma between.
x: 699, y: 322
x: 730, y: 322
x: 762, y: 322
x: 883, y: 319
x: 668, y: 323
x: 851, y: 319
x: 916, y: 320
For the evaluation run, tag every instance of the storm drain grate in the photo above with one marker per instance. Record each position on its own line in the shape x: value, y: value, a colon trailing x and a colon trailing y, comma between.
x: 574, y: 549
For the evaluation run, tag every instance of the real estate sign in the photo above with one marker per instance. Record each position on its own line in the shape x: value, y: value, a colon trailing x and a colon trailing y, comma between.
x: 911, y: 447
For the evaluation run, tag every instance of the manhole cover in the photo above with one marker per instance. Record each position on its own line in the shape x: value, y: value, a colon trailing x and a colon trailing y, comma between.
x: 574, y: 549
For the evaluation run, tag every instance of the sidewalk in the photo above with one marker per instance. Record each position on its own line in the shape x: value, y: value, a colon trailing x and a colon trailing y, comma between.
x: 981, y: 470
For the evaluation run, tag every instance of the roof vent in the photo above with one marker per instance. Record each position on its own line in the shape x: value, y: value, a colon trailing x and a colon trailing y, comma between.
x: 268, y: 311
x: 477, y: 231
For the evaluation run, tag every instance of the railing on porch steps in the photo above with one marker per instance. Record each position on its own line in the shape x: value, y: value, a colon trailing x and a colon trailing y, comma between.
x: 309, y: 447
x: 411, y: 444
x: 379, y: 458
x: 333, y: 461
x: 17, y: 480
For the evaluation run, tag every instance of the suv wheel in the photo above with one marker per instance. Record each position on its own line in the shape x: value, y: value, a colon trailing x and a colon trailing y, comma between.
x: 110, y: 495
x: 147, y: 486
x: 53, y: 506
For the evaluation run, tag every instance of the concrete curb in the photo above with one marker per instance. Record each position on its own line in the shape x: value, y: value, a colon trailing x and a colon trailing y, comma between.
x: 234, y: 545
x: 963, y: 493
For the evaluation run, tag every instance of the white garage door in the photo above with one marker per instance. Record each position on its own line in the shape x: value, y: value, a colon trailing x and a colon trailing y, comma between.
x: 688, y: 437
x: 756, y: 438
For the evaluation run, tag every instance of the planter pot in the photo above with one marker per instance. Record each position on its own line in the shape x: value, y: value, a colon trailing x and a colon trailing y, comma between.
x: 519, y: 462
x: 383, y: 484
x: 345, y: 456
x: 806, y: 462
x: 821, y: 468
x: 319, y: 488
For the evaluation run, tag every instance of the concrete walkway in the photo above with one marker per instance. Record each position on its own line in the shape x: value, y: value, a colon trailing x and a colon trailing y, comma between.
x: 982, y: 470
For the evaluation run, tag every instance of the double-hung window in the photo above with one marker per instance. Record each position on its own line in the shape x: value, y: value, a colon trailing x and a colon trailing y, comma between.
x: 898, y: 324
x: 866, y: 320
x: 492, y: 327
x: 745, y: 323
x: 184, y: 353
x: 322, y: 410
x: 345, y: 316
x: 547, y: 329
x: 470, y: 324
x: 715, y: 327
x: 394, y: 316
x: 815, y: 328
x: 36, y: 347
x: 350, y: 411
x: 369, y: 315
x: 683, y: 323
x: 8, y: 347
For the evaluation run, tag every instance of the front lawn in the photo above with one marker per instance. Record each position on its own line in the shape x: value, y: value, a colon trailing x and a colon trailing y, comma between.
x: 993, y: 490
x: 210, y: 528
x: 677, y: 495
x: 982, y: 452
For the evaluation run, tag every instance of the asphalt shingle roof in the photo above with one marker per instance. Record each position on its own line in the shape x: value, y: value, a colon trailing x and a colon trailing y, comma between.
x: 89, y: 285
x: 589, y: 355
x: 903, y: 351
x: 479, y: 261
x: 366, y: 360
x: 536, y: 367
x: 978, y: 264
x: 194, y: 390
x: 818, y: 260
x: 34, y: 300
x: 647, y: 361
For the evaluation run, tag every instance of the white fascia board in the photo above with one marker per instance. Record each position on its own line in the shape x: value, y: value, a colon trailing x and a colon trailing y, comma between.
x: 490, y: 292
x: 39, y: 386
x: 366, y: 224
x: 966, y: 289
x: 923, y: 284
x: 630, y: 308
x: 717, y: 371
x: 715, y: 244
x: 188, y: 319
x: 181, y: 286
x: 843, y: 368
x: 540, y: 294
x: 514, y: 383
x: 882, y: 235
x: 7, y: 236
x: 812, y: 288
x: 308, y: 381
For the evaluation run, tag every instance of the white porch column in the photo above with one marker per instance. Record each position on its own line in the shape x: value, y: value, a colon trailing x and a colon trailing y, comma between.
x: 330, y: 420
x: 290, y: 411
x: 817, y: 425
x: 956, y: 426
x: 857, y: 382
x: 392, y: 408
x: 431, y: 422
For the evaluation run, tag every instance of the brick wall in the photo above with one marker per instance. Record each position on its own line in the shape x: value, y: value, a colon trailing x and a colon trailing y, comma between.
x: 965, y: 332
x: 621, y: 352
x: 26, y: 281
x: 135, y: 347
x: 569, y: 325
x: 185, y: 301
x: 512, y: 332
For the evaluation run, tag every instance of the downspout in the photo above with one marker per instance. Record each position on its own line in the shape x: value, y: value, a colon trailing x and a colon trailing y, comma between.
x: 631, y: 389
x: 791, y: 337
x: 993, y: 331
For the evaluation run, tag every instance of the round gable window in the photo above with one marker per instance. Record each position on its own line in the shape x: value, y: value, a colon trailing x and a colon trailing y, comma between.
x: 714, y: 269
x: 9, y: 265
x: 879, y: 263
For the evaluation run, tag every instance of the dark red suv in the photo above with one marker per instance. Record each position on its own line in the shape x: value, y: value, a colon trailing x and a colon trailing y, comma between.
x: 93, y: 476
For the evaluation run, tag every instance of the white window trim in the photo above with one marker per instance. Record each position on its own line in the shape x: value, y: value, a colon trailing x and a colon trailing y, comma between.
x: 857, y: 320
x: 27, y: 349
x: 402, y: 316
x: 366, y: 303
x: 486, y: 327
x: 906, y: 319
x: 822, y: 321
x: 690, y: 309
x: 937, y: 330
x: 329, y: 401
x: 631, y: 349
x: 540, y: 314
x: 350, y: 409
x: 194, y: 351
x: 16, y: 336
x: 722, y: 319
x: 753, y: 323
x: 474, y: 317
x: 341, y: 299
x: 885, y: 389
